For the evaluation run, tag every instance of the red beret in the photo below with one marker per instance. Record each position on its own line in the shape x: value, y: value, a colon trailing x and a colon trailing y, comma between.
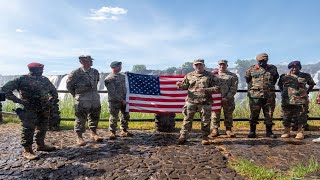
x: 35, y: 65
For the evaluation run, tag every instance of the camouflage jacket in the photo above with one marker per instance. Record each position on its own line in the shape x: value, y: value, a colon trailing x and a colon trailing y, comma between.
x: 35, y: 90
x: 83, y: 84
x: 228, y: 84
x: 261, y: 81
x: 293, y: 88
x: 193, y: 80
x: 116, y: 87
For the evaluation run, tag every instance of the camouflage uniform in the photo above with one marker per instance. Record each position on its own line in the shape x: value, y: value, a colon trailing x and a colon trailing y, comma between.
x: 54, y: 117
x: 83, y: 86
x: 35, y: 92
x: 261, y: 92
x: 197, y: 101
x: 116, y: 87
x: 228, y: 88
x: 295, y: 97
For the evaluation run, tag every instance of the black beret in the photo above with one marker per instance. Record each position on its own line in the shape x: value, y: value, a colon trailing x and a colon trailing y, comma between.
x: 115, y: 64
x: 294, y: 63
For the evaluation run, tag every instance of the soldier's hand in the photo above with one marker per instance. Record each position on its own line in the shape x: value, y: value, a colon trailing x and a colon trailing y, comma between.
x: 224, y: 99
x: 179, y: 84
x: 318, y: 101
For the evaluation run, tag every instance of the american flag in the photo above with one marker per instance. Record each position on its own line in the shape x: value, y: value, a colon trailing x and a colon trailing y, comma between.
x: 159, y: 94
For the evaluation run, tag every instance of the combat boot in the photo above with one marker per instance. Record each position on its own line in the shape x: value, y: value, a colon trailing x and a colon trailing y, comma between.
x: 316, y: 140
x: 269, y: 132
x: 125, y: 133
x: 112, y: 135
x: 205, y: 141
x: 80, y: 141
x: 182, y: 139
x: 29, y: 154
x: 252, y: 133
x: 286, y: 133
x: 95, y: 137
x: 230, y: 133
x: 214, y: 133
x: 300, y: 133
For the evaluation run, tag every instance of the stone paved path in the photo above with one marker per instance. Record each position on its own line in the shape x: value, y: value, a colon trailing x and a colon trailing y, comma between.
x: 145, y: 156
x: 150, y: 155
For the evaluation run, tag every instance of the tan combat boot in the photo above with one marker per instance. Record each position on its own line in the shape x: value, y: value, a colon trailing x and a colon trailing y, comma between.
x: 230, y: 133
x: 80, y: 141
x: 286, y: 133
x: 300, y: 133
x: 214, y: 133
x: 95, y: 137
x: 29, y: 154
x: 125, y: 133
x: 112, y: 135
x: 182, y: 139
x: 205, y: 141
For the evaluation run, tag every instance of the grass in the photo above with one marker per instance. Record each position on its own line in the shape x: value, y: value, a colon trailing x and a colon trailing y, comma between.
x: 252, y: 171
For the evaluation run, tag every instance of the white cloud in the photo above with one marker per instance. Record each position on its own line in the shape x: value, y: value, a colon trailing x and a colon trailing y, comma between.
x: 20, y: 30
x: 106, y: 13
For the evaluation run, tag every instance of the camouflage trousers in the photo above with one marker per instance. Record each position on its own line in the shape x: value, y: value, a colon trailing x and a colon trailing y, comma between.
x: 83, y: 109
x: 33, y: 122
x: 228, y: 108
x: 297, y: 114
x: 189, y: 111
x: 114, y: 109
x: 267, y: 105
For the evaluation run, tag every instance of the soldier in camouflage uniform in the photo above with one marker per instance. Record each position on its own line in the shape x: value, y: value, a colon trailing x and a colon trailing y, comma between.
x: 116, y: 87
x: 295, y: 100
x: 1, y: 112
x: 317, y: 140
x: 82, y: 84
x: 228, y: 88
x: 200, y: 85
x: 37, y: 94
x: 261, y: 79
x: 54, y: 118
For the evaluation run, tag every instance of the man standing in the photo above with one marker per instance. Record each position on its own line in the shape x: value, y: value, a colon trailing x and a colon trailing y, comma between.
x: 37, y: 95
x: 200, y: 85
x: 295, y: 100
x: 116, y: 87
x: 228, y: 88
x: 261, y: 79
x: 82, y: 84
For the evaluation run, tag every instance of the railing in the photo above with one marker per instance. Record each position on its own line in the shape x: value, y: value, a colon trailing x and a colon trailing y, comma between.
x: 177, y: 119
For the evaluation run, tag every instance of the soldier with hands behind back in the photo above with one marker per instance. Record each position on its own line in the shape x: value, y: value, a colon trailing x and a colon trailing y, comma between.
x: 261, y: 79
x: 82, y: 84
x: 37, y: 95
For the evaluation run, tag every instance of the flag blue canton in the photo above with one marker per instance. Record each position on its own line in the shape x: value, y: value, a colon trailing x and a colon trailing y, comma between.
x: 143, y: 84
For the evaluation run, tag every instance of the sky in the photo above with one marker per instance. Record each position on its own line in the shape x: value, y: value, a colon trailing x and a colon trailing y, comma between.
x: 157, y: 33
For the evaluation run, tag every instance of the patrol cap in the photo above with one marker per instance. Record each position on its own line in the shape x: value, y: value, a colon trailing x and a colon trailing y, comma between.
x: 223, y: 62
x: 35, y: 65
x: 85, y: 57
x: 115, y: 64
x: 294, y: 63
x: 198, y: 61
x: 262, y: 57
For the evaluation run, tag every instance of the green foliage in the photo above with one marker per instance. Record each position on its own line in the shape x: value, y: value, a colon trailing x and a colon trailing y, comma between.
x: 247, y: 168
x: 140, y: 68
x: 252, y: 171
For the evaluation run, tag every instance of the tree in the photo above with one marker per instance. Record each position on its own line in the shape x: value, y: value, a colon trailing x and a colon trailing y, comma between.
x: 171, y: 70
x: 187, y: 67
x: 141, y: 69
